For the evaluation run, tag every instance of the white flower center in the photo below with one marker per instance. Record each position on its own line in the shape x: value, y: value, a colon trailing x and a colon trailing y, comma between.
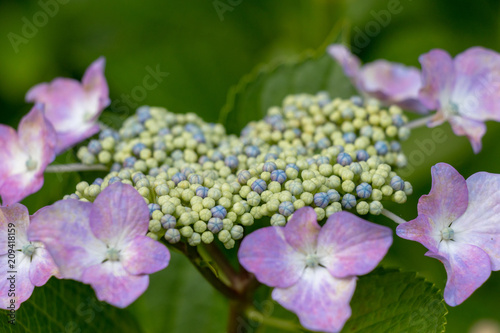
x: 113, y: 254
x: 28, y: 249
x: 447, y: 233
x: 312, y: 260
x: 31, y: 164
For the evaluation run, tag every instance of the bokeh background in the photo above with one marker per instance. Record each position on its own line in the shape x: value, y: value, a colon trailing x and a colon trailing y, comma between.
x: 207, y: 50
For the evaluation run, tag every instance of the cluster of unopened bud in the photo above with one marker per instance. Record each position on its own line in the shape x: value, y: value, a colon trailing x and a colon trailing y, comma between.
x: 202, y: 185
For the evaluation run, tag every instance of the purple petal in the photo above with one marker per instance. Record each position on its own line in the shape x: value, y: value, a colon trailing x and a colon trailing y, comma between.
x: 64, y: 229
x: 19, y: 186
x: 12, y: 156
x: 144, y: 255
x: 349, y: 245
x: 94, y: 82
x: 17, y: 214
x: 302, y: 231
x: 42, y: 266
x: 474, y: 130
x: 447, y: 199
x: 438, y: 76
x: 349, y: 62
x: 114, y: 285
x: 23, y: 286
x: 118, y: 215
x: 320, y: 301
x: 478, y: 84
x: 421, y: 230
x: 266, y: 253
x: 467, y: 267
x: 393, y: 83
x: 480, y: 225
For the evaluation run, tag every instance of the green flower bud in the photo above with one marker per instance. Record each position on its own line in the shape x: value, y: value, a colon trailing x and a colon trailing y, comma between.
x: 256, y: 213
x: 173, y: 235
x: 186, y: 231
x: 157, y: 215
x: 363, y: 207
x: 224, y: 236
x: 168, y: 208
x: 227, y: 224
x: 247, y: 219
x: 232, y: 216
x: 387, y: 190
x: 307, y: 198
x: 399, y: 197
x: 225, y: 202
x: 229, y: 244
x: 152, y: 236
x: 291, y: 173
x: 200, y: 226
x: 309, y: 186
x: 154, y: 225
x: 237, y: 232
x: 93, y: 190
x: 205, y: 214
x: 408, y: 188
x: 376, y: 207
x: 195, y: 239
x: 297, y: 204
x: 278, y: 220
x: 81, y: 186
x: 348, y: 186
x: 208, y: 203
x: 207, y: 237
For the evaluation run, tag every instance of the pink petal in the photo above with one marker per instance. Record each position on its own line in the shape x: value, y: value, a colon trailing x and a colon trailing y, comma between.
x: 474, y: 130
x: 94, y: 82
x: 393, y: 83
x: 114, y: 285
x: 12, y: 155
x: 478, y: 84
x: 447, y: 199
x: 38, y: 137
x: 42, y: 266
x: 480, y: 224
x: 467, y: 266
x: 349, y: 62
x: 19, y: 186
x: 349, y: 245
x: 144, y: 255
x: 302, y: 231
x: 23, y: 286
x: 19, y: 216
x: 320, y: 301
x: 118, y: 215
x: 438, y: 76
x: 266, y: 253
x: 64, y: 229
x: 421, y: 230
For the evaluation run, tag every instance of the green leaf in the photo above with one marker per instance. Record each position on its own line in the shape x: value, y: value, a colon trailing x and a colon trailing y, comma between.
x: 267, y: 86
x: 63, y: 306
x: 388, y: 300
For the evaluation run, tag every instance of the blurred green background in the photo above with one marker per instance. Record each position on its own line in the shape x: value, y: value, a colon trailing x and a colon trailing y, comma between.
x: 205, y: 52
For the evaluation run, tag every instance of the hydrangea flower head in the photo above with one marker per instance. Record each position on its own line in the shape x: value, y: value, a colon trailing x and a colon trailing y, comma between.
x: 103, y: 243
x: 73, y: 107
x: 390, y: 83
x: 24, y: 155
x: 313, y: 268
x: 33, y: 264
x: 459, y: 222
x: 464, y: 90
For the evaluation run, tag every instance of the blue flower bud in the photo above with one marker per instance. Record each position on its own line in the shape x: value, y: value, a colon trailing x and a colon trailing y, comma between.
x: 366, y: 131
x: 364, y: 190
x: 129, y: 162
x: 215, y: 225
x: 202, y: 191
x: 199, y: 137
x: 172, y: 236
x: 217, y: 156
x: 136, y: 149
x: 348, y: 201
x: 195, y: 179
x: 269, y: 167
x: 349, y: 137
x: 159, y: 145
x: 286, y: 208
x: 259, y: 186
x: 357, y: 100
x: 322, y: 160
x: 252, y: 151
x: 397, y: 120
x: 218, y: 211
x: 321, y: 199
x: 116, y: 167
x: 293, y: 166
x: 98, y: 181
x: 154, y: 172
x: 137, y: 176
x: 152, y: 207
x: 344, y: 159
x: 333, y: 195
x: 203, y: 159
x: 324, y: 143
x: 278, y: 176
x: 143, y: 113
x: 270, y: 156
x: 397, y: 183
x: 94, y: 147
x: 231, y: 162
x: 109, y: 133
x: 381, y: 147
x: 395, y: 146
x: 114, y: 180
x: 178, y: 177
x: 163, y: 131
x: 187, y: 171
x: 244, y: 176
